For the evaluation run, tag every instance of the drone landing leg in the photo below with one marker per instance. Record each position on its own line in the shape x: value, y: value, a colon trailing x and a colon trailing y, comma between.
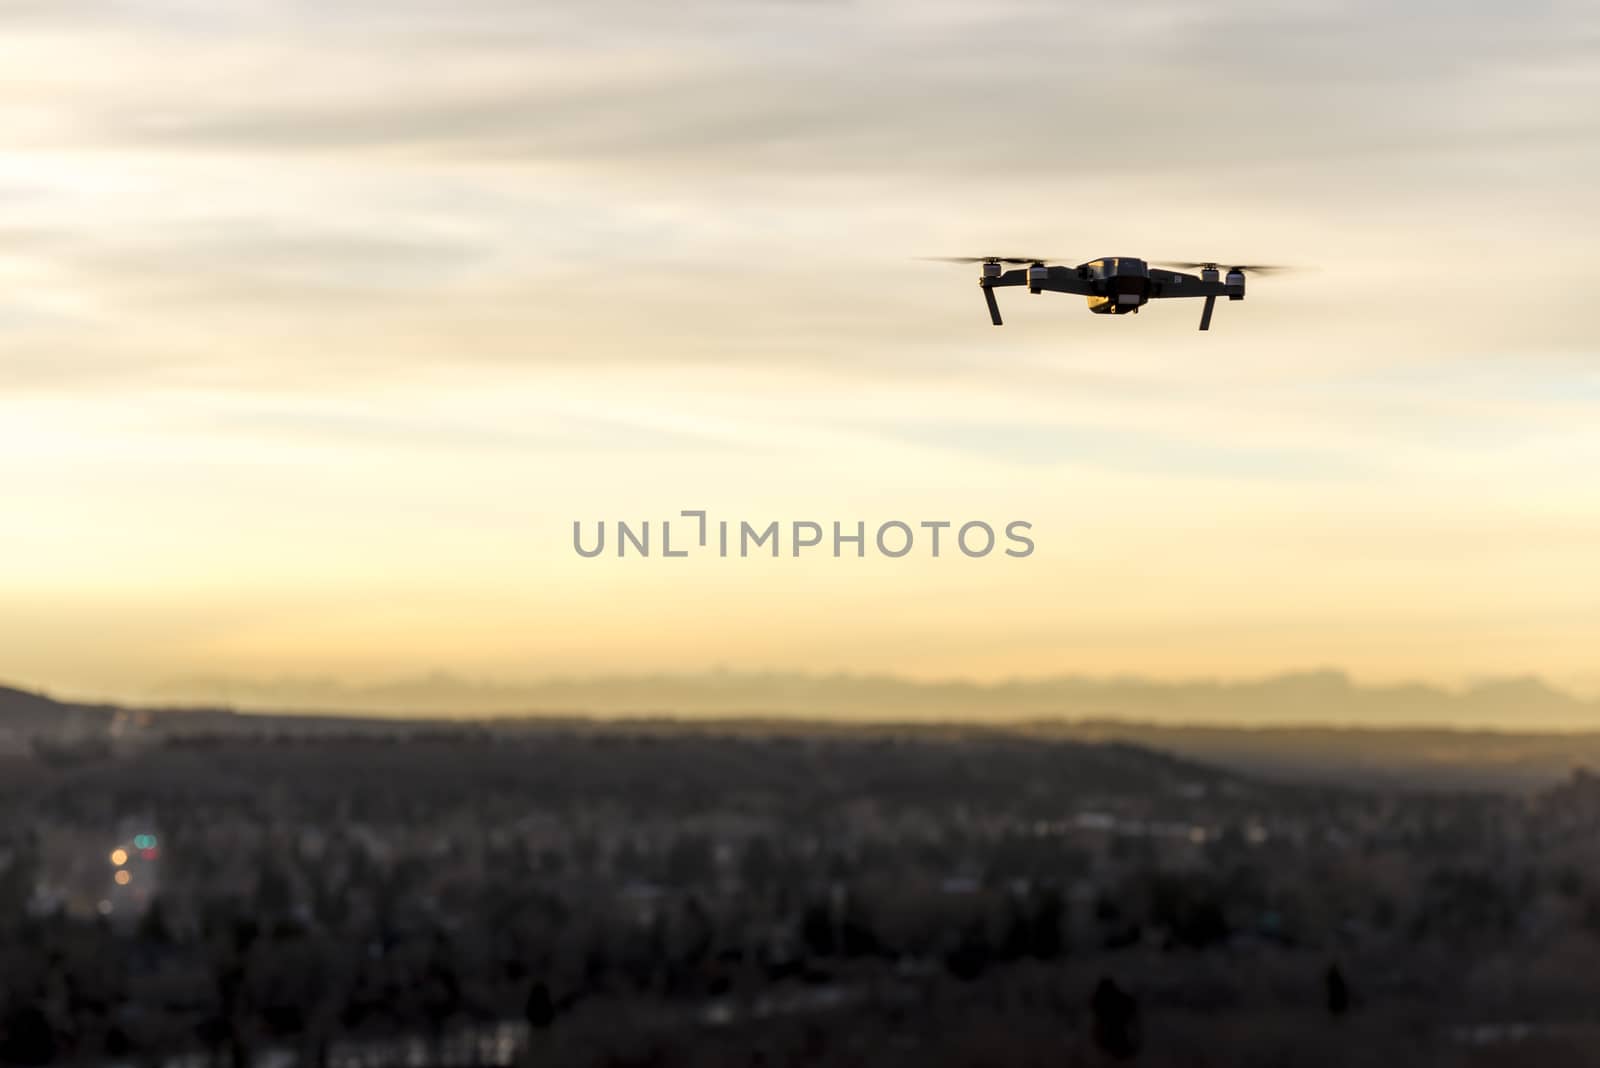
x: 1205, y: 316
x: 994, y: 308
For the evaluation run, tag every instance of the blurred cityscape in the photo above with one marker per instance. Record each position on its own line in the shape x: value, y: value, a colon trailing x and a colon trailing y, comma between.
x: 208, y: 889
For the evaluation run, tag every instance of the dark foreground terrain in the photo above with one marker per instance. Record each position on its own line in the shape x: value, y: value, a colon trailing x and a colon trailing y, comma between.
x: 365, y: 894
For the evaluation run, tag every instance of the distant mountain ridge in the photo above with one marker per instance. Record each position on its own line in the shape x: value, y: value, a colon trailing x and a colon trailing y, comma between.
x: 1343, y: 738
x: 1322, y: 698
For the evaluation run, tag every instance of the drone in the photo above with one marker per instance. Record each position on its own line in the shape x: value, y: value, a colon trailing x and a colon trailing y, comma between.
x: 1115, y: 285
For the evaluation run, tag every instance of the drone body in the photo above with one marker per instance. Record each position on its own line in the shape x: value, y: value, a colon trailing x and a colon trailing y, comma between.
x: 1114, y: 285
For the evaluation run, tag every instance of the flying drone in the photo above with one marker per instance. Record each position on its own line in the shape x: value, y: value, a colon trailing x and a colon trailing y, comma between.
x: 1115, y: 285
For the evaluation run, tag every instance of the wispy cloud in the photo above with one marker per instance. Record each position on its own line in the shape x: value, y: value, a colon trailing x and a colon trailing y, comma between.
x: 762, y: 166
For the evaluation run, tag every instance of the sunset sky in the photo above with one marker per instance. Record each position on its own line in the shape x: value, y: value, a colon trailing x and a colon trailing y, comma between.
x: 320, y: 324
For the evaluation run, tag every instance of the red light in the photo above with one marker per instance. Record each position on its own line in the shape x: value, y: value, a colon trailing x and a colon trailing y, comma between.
x: 148, y: 854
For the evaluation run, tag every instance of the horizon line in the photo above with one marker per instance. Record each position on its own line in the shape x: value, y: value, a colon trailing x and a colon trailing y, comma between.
x: 485, y: 700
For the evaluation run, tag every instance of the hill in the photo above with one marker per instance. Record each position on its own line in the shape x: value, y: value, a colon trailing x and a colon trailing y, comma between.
x: 1364, y: 751
x: 27, y: 712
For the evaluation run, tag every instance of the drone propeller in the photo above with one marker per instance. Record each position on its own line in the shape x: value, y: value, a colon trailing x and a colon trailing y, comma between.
x: 1259, y: 268
x: 1021, y: 260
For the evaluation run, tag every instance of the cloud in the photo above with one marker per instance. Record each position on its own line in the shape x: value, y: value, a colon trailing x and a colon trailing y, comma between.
x: 251, y: 251
x: 881, y: 87
x: 343, y: 425
x: 1130, y: 450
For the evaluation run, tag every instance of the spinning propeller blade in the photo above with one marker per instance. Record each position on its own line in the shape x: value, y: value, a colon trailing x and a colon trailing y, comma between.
x: 1217, y: 265
x: 1018, y: 260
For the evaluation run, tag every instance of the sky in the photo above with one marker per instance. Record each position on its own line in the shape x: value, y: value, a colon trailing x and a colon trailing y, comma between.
x: 321, y: 324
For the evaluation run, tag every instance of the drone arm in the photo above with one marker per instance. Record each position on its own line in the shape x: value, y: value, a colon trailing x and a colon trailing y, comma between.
x: 994, y: 307
x: 1188, y: 286
x: 1058, y: 280
x: 1009, y: 278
